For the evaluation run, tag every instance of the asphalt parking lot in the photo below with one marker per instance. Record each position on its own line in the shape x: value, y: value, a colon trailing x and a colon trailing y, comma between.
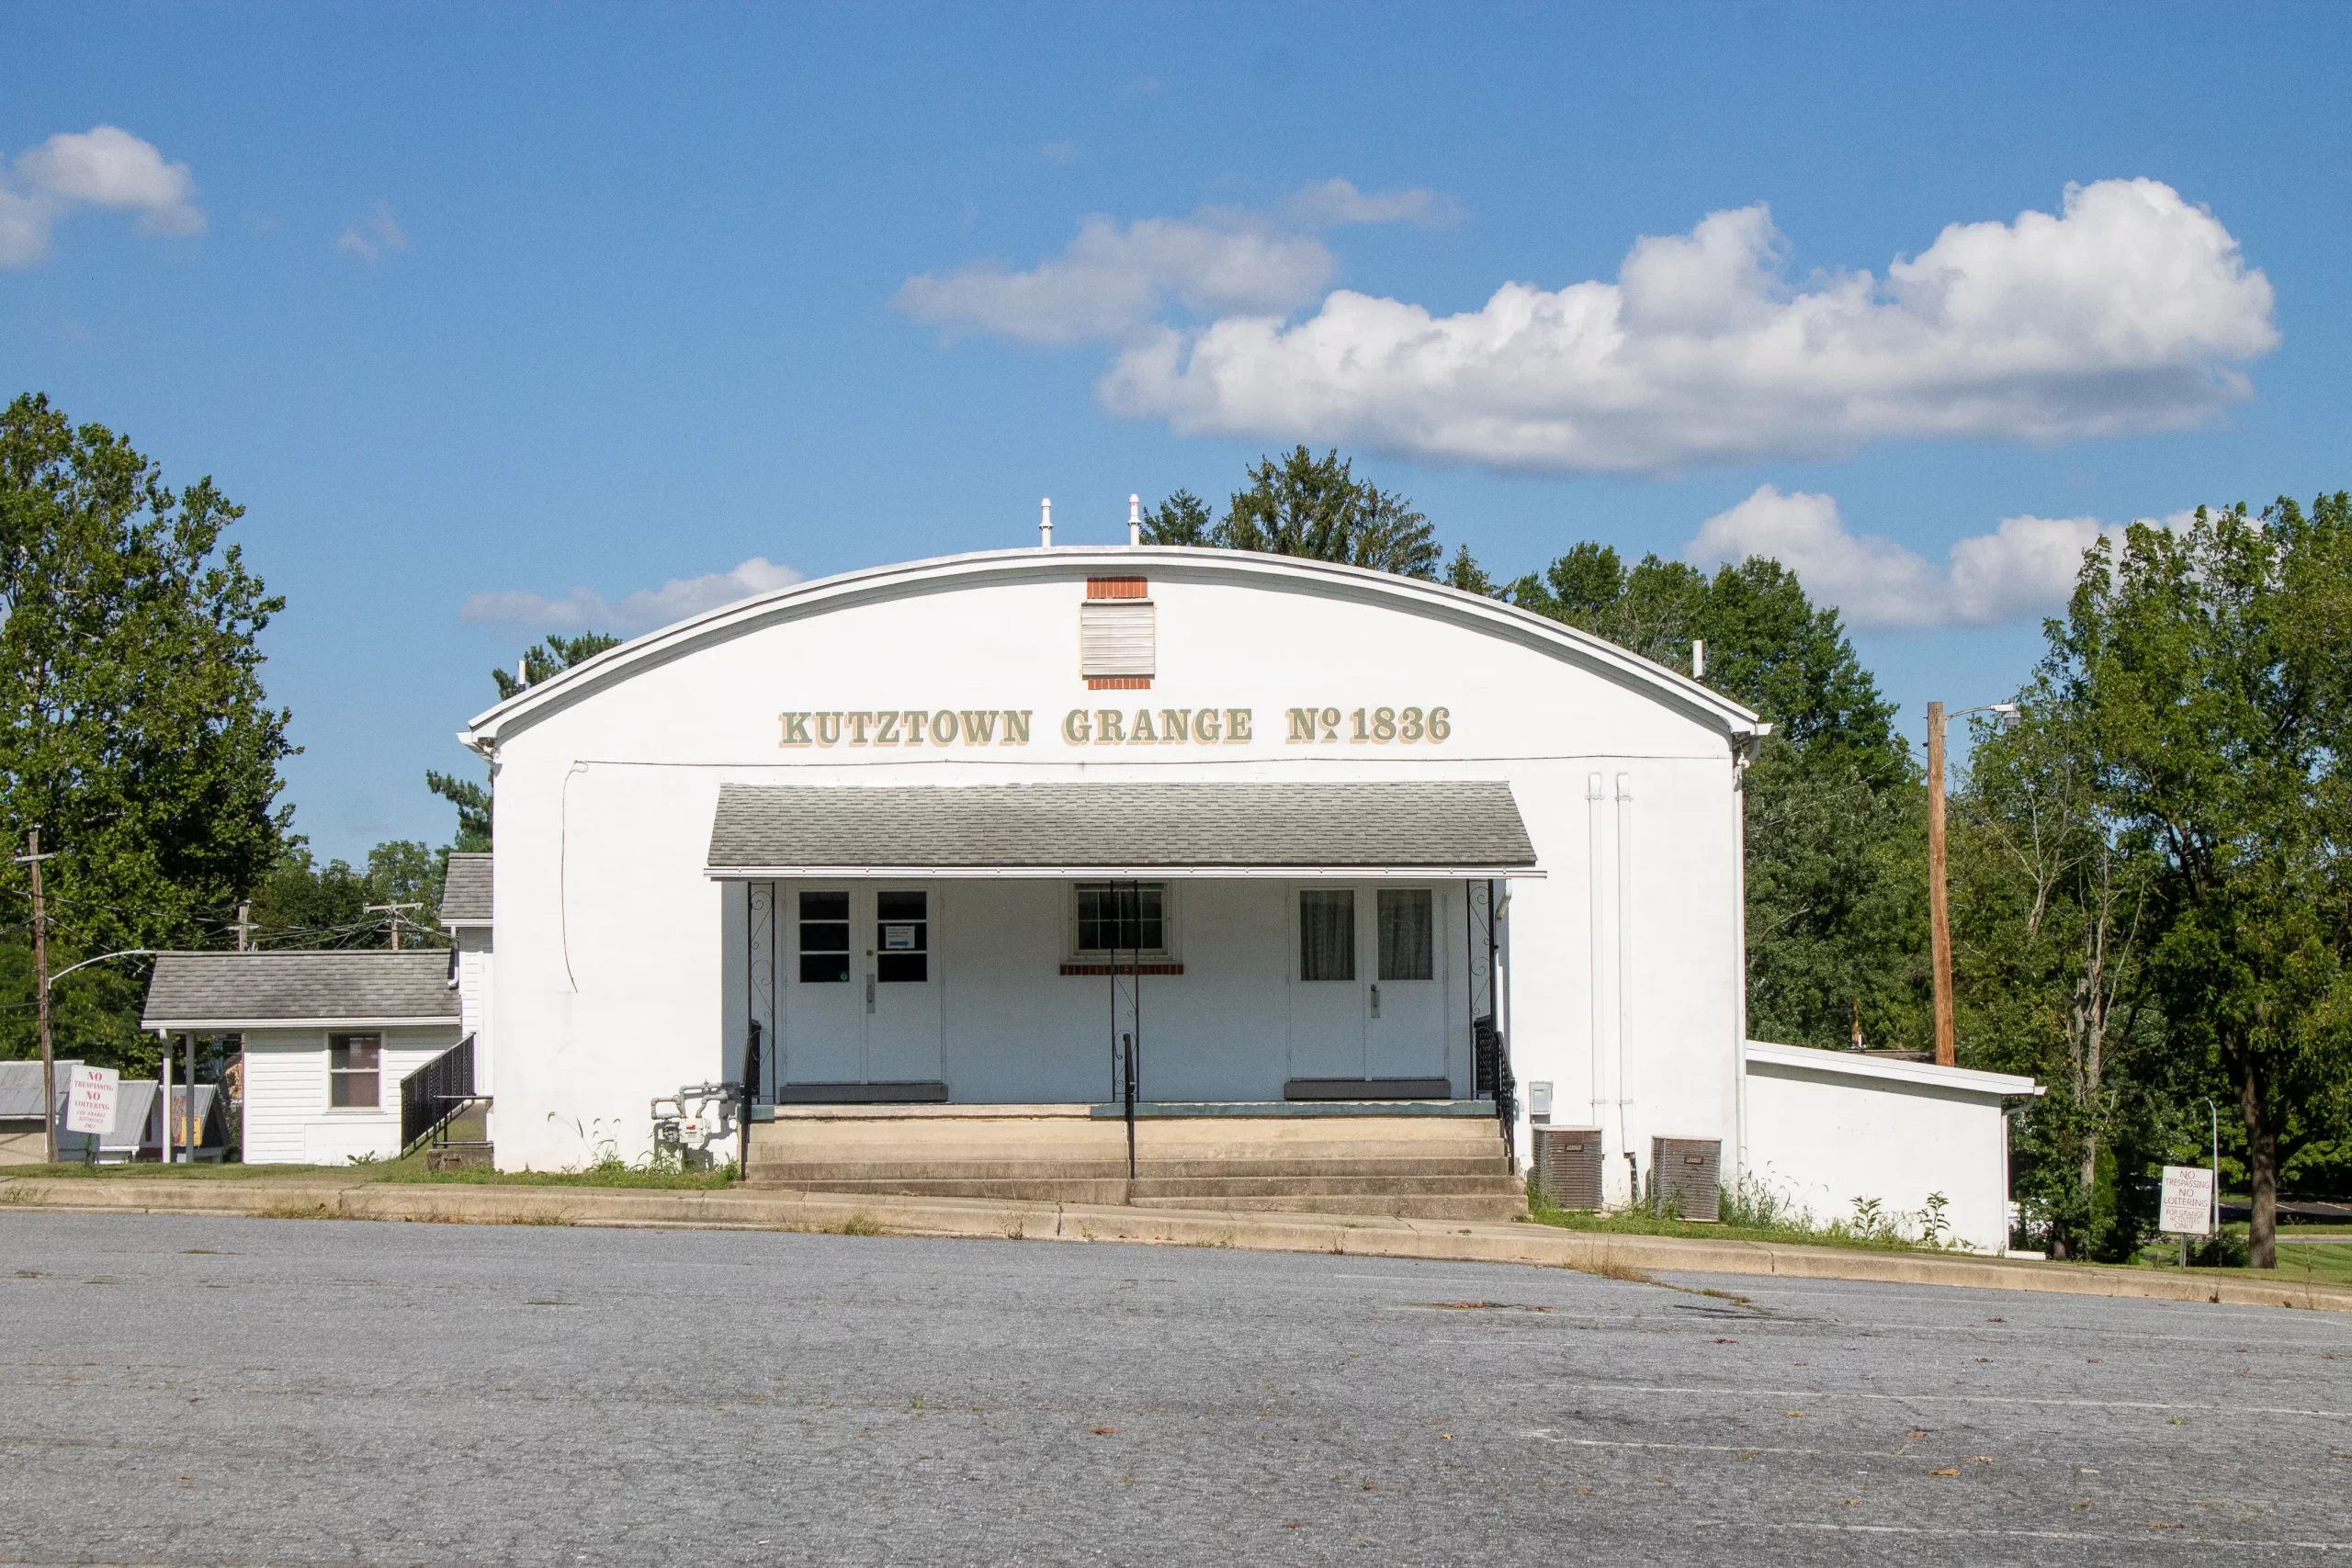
x: 202, y: 1391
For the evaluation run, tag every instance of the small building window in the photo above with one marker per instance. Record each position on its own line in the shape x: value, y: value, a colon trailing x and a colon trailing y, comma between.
x: 1407, y: 934
x: 354, y: 1071
x: 824, y: 939
x: 1327, y: 933
x: 1116, y: 918
x: 902, y: 938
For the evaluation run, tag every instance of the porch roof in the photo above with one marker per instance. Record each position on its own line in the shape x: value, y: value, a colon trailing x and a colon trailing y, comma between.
x: 1422, y: 827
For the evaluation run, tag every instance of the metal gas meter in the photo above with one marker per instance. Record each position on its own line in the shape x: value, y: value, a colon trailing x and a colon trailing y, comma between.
x: 690, y: 1124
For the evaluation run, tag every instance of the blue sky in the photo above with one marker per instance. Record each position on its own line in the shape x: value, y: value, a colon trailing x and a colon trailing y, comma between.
x: 520, y: 312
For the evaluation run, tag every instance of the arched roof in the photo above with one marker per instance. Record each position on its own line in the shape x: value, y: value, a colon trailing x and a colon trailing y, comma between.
x: 1243, y: 569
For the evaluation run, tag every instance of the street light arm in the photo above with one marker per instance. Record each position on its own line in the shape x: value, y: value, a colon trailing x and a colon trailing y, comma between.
x: 101, y: 958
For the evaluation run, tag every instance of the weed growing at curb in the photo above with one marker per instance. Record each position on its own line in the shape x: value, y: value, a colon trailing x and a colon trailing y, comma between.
x: 1759, y: 1223
x: 859, y: 1224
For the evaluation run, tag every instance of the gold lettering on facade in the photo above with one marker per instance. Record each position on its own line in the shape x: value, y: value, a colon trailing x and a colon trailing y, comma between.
x: 1205, y: 726
x: 858, y: 723
x: 978, y: 726
x: 1369, y: 726
x: 1110, y: 727
x: 796, y: 728
x: 1174, y: 724
x: 1141, y: 733
x: 885, y: 727
x: 1016, y: 727
x: 915, y: 719
x: 943, y: 728
x: 829, y: 730
x: 1076, y: 728
x: 1237, y: 727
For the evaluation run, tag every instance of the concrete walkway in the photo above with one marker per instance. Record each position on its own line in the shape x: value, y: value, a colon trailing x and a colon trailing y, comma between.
x: 311, y: 1196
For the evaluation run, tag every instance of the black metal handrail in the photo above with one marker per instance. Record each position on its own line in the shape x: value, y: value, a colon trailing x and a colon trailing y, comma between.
x: 435, y: 1092
x: 1490, y: 1069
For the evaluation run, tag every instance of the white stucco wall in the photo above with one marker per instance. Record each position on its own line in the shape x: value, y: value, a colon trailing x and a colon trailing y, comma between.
x: 1824, y: 1129
x: 621, y: 969
x: 288, y: 1119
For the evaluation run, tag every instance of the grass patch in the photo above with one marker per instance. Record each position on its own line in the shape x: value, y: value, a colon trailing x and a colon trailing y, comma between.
x: 153, y: 1172
x: 612, y: 1173
x: 1742, y: 1221
x: 609, y: 1174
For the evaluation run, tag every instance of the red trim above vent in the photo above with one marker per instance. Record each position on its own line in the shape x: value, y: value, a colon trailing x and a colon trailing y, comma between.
x: 1117, y: 588
x: 1118, y: 682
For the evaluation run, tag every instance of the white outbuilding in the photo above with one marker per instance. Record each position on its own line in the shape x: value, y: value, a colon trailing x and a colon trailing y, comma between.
x: 1166, y: 875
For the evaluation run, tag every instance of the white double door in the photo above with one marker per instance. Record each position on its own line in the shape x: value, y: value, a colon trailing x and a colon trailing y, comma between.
x: 1367, y: 981
x: 860, y: 983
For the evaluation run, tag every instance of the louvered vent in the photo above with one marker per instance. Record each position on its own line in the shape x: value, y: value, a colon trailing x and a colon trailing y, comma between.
x: 1117, y: 635
x: 1568, y: 1167
x: 1685, y: 1176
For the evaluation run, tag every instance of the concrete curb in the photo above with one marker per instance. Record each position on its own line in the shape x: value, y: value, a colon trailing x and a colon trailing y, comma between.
x: 1355, y: 1237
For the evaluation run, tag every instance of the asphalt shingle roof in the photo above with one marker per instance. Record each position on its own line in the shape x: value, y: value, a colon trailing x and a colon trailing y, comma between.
x: 221, y: 991
x: 464, y: 897
x: 1204, y: 826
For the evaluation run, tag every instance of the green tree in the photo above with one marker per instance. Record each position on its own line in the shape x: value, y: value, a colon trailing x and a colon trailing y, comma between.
x: 136, y: 733
x: 1305, y: 505
x: 1836, y: 814
x: 2051, y: 926
x: 471, y: 799
x: 306, y: 904
x: 1182, y: 519
x: 2205, y: 666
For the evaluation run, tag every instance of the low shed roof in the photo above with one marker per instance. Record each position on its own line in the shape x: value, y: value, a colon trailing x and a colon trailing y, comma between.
x: 1453, y: 826
x: 20, y: 1089
x: 264, y: 990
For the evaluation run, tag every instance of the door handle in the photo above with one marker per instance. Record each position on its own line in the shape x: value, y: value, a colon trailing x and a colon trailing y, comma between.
x: 1375, y: 998
x: 869, y: 991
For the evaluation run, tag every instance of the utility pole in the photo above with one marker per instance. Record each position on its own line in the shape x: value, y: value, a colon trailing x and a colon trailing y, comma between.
x: 245, y: 928
x: 393, y: 911
x: 1938, y: 914
x: 33, y: 857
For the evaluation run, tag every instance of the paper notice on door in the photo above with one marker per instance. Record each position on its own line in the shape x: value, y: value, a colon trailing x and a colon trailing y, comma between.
x: 898, y: 938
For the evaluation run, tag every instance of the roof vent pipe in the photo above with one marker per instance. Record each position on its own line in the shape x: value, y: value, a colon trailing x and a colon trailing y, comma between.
x: 1698, y: 658
x: 1135, y: 520
x: 1046, y: 524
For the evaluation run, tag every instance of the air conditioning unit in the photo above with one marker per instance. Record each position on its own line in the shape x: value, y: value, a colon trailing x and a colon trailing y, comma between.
x: 1568, y: 1167
x: 1686, y: 1176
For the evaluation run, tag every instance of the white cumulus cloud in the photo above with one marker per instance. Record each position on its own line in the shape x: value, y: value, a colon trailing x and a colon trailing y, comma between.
x: 1115, y: 280
x: 584, y: 609
x: 2025, y: 567
x: 2129, y: 310
x: 372, y: 236
x: 104, y: 167
x: 1337, y: 202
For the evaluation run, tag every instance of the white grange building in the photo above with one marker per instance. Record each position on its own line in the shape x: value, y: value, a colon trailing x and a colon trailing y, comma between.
x: 1355, y: 882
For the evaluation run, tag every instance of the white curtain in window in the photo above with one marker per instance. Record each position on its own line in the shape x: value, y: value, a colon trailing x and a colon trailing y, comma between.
x: 1407, y: 934
x: 1327, y: 934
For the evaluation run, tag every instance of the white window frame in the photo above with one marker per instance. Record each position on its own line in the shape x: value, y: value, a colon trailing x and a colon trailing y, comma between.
x: 381, y: 1045
x: 1172, y: 948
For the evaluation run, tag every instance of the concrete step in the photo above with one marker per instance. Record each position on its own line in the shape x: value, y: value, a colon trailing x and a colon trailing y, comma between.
x: 1403, y: 1204
x: 1466, y: 1207
x: 1438, y: 1168
x: 1325, y: 1186
x: 816, y: 1172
